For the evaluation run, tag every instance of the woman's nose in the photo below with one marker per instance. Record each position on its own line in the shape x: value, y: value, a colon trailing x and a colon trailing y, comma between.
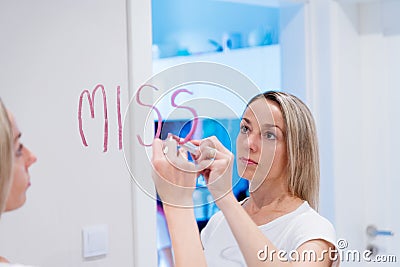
x: 31, y: 158
x: 253, y: 142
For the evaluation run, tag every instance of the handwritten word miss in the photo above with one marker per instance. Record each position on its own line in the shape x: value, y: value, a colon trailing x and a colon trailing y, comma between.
x: 100, y: 88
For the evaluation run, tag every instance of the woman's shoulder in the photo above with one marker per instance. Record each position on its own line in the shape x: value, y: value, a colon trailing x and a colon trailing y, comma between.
x: 309, y: 225
x: 309, y: 218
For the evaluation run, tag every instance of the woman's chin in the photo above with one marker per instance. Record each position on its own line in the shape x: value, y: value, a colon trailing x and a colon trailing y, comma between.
x: 255, y: 181
x: 246, y: 174
x: 16, y: 204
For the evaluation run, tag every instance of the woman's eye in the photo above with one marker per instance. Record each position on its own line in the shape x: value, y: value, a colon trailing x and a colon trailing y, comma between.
x: 270, y: 136
x: 18, y: 153
x: 244, y: 129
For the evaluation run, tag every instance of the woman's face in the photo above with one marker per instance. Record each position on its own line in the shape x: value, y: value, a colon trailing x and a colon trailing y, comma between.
x: 261, y: 144
x: 23, y: 159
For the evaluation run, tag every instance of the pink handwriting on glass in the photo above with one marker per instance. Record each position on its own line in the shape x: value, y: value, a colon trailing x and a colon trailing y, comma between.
x: 139, y: 101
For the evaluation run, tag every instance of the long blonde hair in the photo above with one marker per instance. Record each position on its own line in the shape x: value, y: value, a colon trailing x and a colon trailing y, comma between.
x: 6, y: 156
x: 301, y: 145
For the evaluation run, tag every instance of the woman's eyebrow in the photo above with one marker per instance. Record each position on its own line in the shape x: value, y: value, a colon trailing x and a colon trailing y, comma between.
x: 265, y: 125
x: 268, y: 125
x: 246, y: 120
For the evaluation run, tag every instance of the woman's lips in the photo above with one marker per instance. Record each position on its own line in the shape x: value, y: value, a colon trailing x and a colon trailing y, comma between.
x: 248, y: 161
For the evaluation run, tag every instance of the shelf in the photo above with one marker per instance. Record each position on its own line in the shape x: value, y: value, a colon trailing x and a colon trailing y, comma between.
x: 267, y: 3
x: 201, y: 54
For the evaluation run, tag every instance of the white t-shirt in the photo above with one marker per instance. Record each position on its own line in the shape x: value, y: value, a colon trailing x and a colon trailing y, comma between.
x: 287, y: 233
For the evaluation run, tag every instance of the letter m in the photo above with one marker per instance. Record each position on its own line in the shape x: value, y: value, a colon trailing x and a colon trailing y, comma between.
x: 91, y: 106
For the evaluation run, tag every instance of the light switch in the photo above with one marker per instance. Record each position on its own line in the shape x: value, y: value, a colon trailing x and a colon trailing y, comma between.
x: 95, y: 240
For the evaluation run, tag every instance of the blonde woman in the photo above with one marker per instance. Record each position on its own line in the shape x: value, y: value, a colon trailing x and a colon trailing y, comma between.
x: 16, y: 160
x: 277, y: 225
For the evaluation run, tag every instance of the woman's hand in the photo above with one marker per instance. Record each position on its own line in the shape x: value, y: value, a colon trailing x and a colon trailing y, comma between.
x: 173, y: 175
x: 215, y: 163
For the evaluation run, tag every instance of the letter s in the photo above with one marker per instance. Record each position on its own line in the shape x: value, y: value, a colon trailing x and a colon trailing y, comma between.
x: 195, y: 118
x: 153, y: 108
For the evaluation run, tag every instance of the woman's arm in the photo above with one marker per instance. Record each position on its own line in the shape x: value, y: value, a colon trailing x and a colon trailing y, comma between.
x: 175, y: 180
x: 185, y: 238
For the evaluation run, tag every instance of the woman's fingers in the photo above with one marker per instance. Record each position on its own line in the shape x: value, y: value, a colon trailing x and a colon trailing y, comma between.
x: 157, y: 149
x: 183, y: 154
x: 177, y: 158
x: 195, y: 142
x: 203, y: 165
x: 211, y: 148
x: 174, y: 176
x: 215, y: 164
x: 171, y: 148
x: 216, y: 144
x: 207, y: 151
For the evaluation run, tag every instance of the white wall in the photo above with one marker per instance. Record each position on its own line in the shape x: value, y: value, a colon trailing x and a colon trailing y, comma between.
x: 380, y: 81
x: 333, y: 43
x: 347, y: 99
x: 50, y: 51
x: 292, y: 41
x: 355, y: 66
